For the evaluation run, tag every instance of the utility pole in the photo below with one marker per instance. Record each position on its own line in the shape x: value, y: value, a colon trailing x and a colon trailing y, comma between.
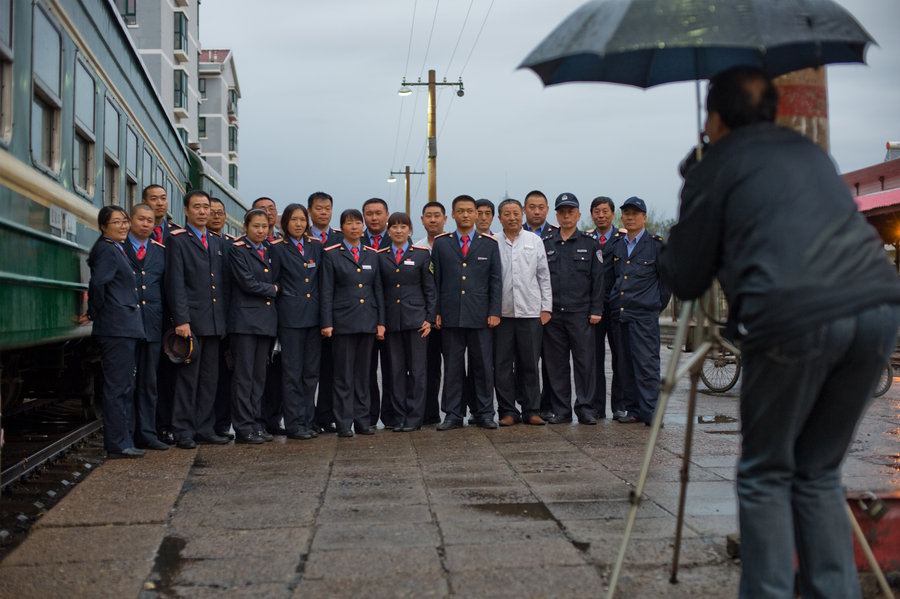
x: 406, y: 172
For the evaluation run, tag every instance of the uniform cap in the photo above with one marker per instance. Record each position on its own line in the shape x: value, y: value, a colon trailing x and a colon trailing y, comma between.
x: 566, y: 199
x: 636, y: 202
x: 178, y: 349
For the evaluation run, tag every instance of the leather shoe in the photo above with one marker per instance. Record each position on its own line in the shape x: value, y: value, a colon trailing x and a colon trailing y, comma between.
x: 251, y: 439
x: 300, y: 435
x: 489, y: 424
x: 211, y: 440
x: 128, y: 452
x: 449, y: 425
x: 328, y: 428
x: 167, y: 437
x: 186, y: 444
x: 266, y: 436
x: 627, y: 418
x: 365, y: 430
x: 408, y: 429
x: 156, y: 445
x: 226, y: 434
x: 546, y: 415
x: 507, y: 420
x: 587, y: 419
x: 345, y: 434
x: 535, y: 420
x: 560, y: 420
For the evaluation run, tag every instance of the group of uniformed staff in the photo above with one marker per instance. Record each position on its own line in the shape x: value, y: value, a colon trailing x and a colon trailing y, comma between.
x: 205, y: 338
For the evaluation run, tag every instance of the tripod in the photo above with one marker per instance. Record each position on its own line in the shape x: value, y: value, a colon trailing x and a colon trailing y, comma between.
x: 707, y: 338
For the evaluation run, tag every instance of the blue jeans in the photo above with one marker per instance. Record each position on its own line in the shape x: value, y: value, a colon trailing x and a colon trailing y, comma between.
x: 800, y: 403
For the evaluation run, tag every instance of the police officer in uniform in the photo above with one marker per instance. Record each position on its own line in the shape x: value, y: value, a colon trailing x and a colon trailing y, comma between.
x: 195, y: 286
x: 467, y: 274
x: 576, y: 278
x: 352, y: 313
x: 602, y: 212
x: 638, y: 296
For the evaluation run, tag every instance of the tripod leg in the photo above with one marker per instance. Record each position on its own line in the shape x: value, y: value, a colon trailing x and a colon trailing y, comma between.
x: 870, y: 557
x: 685, y: 466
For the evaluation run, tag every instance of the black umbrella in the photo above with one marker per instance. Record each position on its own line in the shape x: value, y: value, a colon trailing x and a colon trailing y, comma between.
x: 649, y: 42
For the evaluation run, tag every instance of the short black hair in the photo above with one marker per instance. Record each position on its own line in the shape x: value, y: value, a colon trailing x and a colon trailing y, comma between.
x: 191, y: 194
x: 483, y: 203
x: 216, y: 201
x: 260, y: 199
x: 399, y: 218
x: 148, y: 188
x: 742, y: 96
x: 536, y: 193
x: 434, y: 205
x: 319, y: 195
x: 507, y: 202
x: 139, y: 206
x: 462, y: 198
x: 351, y: 214
x: 600, y: 200
x: 375, y: 201
x: 105, y: 214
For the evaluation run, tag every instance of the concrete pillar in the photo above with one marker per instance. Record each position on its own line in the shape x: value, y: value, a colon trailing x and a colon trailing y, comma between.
x: 804, y: 104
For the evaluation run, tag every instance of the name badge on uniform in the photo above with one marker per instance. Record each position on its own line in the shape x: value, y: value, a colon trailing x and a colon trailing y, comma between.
x: 581, y: 251
x: 311, y: 264
x: 482, y: 257
x: 551, y: 252
x: 409, y: 262
x: 367, y: 267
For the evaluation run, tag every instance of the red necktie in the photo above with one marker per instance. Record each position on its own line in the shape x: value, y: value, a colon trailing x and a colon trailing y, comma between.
x: 465, y: 245
x: 262, y: 253
x: 399, y: 254
x: 141, y: 252
x: 355, y: 253
x: 602, y: 239
x: 323, y: 236
x: 157, y: 233
x: 300, y: 247
x: 203, y: 241
x: 375, y: 241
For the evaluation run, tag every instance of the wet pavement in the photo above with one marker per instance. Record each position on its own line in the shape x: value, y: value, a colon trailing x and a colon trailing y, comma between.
x: 515, y: 512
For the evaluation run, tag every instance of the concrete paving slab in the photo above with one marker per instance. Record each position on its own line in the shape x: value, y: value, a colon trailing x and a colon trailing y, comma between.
x: 342, y: 513
x: 499, y: 530
x: 74, y: 581
x: 218, y: 544
x: 238, y: 571
x: 252, y: 591
x: 514, y: 582
x: 377, y: 589
x: 107, y: 543
x: 354, y: 536
x: 382, y: 565
x: 511, y: 494
x: 496, y: 557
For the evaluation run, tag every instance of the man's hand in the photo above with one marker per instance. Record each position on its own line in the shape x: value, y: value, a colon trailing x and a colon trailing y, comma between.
x: 326, y: 332
x: 83, y: 320
x: 594, y: 319
x: 437, y: 321
x: 493, y: 321
x: 183, y: 330
x: 379, y: 332
x: 425, y: 328
x: 545, y: 317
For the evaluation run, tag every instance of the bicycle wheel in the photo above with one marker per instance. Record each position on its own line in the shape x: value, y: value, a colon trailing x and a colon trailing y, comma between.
x: 721, y: 370
x: 884, y: 382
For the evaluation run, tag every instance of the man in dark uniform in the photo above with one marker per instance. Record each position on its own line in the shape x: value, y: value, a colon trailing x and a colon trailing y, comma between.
x: 375, y: 215
x: 576, y: 278
x: 602, y: 212
x: 217, y: 219
x: 148, y: 257
x: 320, y: 206
x: 434, y: 217
x: 195, y: 284
x: 155, y: 196
x: 467, y: 273
x: 638, y: 296
x: 268, y: 205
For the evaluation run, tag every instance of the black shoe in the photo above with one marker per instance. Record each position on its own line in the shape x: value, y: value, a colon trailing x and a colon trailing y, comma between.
x: 265, y: 436
x: 587, y: 419
x: 167, y: 437
x: 328, y: 428
x: 277, y: 431
x: 449, y: 425
x: 301, y: 435
x: 226, y: 434
x: 345, y: 434
x: 546, y: 415
x: 365, y: 430
x: 399, y: 429
x: 156, y: 445
x: 211, y: 440
x: 407, y: 429
x: 128, y: 452
x: 251, y: 439
x: 488, y: 424
x: 186, y: 444
x: 560, y: 420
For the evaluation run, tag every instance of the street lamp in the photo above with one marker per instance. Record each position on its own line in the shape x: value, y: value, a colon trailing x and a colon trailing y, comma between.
x: 406, y: 172
x: 432, y: 124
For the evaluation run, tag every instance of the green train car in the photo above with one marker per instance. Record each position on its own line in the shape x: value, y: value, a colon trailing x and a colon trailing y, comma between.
x: 81, y: 126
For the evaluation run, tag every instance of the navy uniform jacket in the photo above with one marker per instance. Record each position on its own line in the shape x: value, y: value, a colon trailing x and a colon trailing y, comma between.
x: 351, y: 297
x: 251, y: 307
x: 368, y: 239
x: 196, y: 282
x: 148, y: 275
x: 113, y: 303
x: 298, y: 278
x: 409, y: 293
x: 168, y: 227
x: 468, y: 289
x: 576, y: 272
x: 609, y: 275
x: 638, y: 291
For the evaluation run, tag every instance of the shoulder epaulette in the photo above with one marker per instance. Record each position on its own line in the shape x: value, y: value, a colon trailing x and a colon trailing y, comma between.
x: 421, y: 247
x: 384, y: 249
x: 153, y: 241
x: 369, y: 247
x: 656, y: 237
x: 486, y: 236
x: 332, y: 247
x: 173, y: 224
x: 108, y: 240
x: 239, y: 243
x: 279, y: 240
x: 623, y: 230
x: 442, y: 235
x: 551, y: 226
x: 213, y: 233
x: 313, y: 239
x: 178, y: 231
x: 230, y: 237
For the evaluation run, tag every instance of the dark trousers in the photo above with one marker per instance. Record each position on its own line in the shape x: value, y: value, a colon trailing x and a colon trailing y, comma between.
x: 195, y: 391
x: 433, y: 377
x: 381, y: 404
x: 325, y: 396
x: 301, y: 351
x: 637, y: 348
x: 146, y: 360
x: 407, y: 376
x: 248, y: 380
x: 222, y: 407
x: 570, y: 333
x: 270, y: 410
x: 117, y: 361
x: 352, y: 362
x: 165, y: 384
x: 517, y: 349
x: 478, y: 342
x: 602, y: 332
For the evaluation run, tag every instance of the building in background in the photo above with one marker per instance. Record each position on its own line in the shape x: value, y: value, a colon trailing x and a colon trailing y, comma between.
x: 218, y: 115
x: 876, y: 190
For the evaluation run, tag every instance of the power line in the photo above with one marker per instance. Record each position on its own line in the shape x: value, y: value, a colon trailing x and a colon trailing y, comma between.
x: 477, y: 37
x: 430, y: 35
x: 412, y: 28
x: 459, y: 39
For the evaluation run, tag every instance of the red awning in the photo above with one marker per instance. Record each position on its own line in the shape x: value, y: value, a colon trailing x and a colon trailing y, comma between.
x: 882, y: 199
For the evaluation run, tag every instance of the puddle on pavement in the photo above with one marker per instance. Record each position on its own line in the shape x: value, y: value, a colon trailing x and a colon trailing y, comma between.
x: 167, y: 565
x: 533, y: 511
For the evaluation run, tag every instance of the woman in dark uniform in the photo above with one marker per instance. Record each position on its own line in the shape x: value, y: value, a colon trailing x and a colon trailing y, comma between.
x: 297, y: 259
x: 409, y: 304
x: 252, y: 325
x: 352, y: 312
x: 114, y: 308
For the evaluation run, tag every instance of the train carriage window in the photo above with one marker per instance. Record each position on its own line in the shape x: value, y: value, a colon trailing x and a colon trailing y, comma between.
x: 46, y: 103
x: 110, y: 182
x: 131, y: 151
x: 111, y: 129
x: 160, y: 175
x: 83, y: 163
x: 85, y: 94
x: 85, y: 117
x: 111, y: 161
x: 6, y: 28
x: 6, y: 57
x: 147, y: 169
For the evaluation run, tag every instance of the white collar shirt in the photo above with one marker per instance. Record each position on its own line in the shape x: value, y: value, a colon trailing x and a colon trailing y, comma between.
x: 526, y: 278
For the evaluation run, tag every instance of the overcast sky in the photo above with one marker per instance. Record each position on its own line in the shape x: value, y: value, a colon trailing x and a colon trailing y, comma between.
x: 320, y: 109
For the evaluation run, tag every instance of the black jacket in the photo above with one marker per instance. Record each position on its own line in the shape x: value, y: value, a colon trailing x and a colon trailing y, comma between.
x: 351, y: 292
x: 468, y: 289
x: 576, y: 272
x: 251, y: 307
x: 766, y: 213
x: 409, y: 295
x: 638, y: 291
x: 148, y: 275
x: 298, y: 277
x: 113, y: 303
x: 196, y: 282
